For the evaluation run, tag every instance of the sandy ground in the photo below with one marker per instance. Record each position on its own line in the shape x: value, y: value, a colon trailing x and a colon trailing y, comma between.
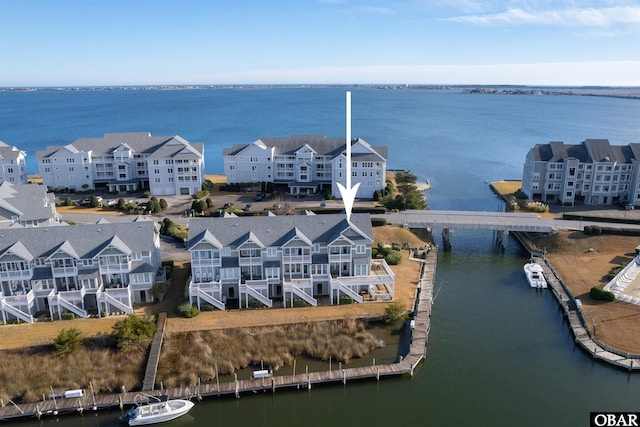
x: 615, y: 323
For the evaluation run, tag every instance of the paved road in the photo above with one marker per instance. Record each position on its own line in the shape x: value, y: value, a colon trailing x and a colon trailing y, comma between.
x: 493, y: 221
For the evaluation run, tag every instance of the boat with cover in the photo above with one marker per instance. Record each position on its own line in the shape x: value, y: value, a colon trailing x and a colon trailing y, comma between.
x: 533, y: 271
x: 157, y: 412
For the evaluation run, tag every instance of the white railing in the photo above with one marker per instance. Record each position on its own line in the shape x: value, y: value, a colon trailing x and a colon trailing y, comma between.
x: 72, y: 295
x: 64, y: 271
x: 104, y: 297
x: 16, y: 274
x: 61, y: 302
x: 195, y: 291
x: 114, y: 268
x: 292, y: 288
x: 338, y: 285
x: 254, y: 293
x: 207, y: 262
x: 19, y: 314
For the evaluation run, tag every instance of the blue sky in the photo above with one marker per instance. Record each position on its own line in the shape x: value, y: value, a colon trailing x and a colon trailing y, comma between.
x: 129, y: 42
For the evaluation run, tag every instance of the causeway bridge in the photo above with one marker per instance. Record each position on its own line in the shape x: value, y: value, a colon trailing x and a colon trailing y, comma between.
x: 500, y: 222
x: 495, y: 221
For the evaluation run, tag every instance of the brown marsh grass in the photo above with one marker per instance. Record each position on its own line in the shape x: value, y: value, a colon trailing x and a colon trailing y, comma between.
x: 26, y: 375
x: 192, y: 355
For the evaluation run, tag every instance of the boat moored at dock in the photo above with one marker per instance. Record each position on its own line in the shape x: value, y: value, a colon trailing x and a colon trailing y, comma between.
x: 157, y: 412
x: 535, y: 277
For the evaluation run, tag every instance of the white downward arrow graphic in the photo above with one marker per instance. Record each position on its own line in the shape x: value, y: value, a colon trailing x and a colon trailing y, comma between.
x: 348, y: 193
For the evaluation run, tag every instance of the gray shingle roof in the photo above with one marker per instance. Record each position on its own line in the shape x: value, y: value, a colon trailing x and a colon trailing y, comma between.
x: 139, y: 142
x: 320, y: 144
x: 9, y: 152
x: 85, y: 239
x: 275, y: 231
x: 28, y: 201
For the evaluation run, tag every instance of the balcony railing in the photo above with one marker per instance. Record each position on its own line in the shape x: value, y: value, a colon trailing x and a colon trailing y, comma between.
x: 210, y: 262
x: 16, y: 274
x: 340, y: 257
x: 250, y: 261
x: 115, y: 268
x: 64, y: 271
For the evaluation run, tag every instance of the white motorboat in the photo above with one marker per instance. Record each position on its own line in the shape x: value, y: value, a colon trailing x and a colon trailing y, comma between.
x: 157, y: 412
x: 533, y: 271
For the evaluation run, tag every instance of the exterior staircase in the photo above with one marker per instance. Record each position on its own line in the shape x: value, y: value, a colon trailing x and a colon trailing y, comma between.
x: 19, y: 314
x: 105, y: 297
x: 290, y: 287
x: 208, y: 298
x: 337, y: 284
x: 256, y: 295
x: 69, y: 306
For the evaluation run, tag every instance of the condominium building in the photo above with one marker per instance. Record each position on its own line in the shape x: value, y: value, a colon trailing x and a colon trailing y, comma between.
x: 307, y: 164
x: 12, y: 164
x: 272, y: 261
x: 593, y: 172
x: 97, y: 268
x: 27, y: 205
x: 120, y: 162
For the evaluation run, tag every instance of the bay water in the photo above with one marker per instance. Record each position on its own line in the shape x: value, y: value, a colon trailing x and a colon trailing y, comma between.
x: 499, y: 352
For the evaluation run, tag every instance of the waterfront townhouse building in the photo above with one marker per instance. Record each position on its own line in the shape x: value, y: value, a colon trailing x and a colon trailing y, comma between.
x: 100, y: 268
x: 240, y: 262
x: 593, y: 172
x: 120, y: 162
x: 12, y: 164
x: 307, y: 164
x: 27, y: 205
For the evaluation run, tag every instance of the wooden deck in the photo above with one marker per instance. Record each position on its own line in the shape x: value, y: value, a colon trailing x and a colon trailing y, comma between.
x: 154, y: 353
x: 405, y: 366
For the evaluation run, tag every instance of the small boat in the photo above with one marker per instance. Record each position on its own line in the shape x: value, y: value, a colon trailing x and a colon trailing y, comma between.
x: 533, y: 271
x: 157, y: 412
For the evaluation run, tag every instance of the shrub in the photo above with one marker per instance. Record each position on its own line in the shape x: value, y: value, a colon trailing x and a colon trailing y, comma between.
x: 614, y: 271
x: 394, y: 257
x: 396, y: 246
x: 132, y: 330
x: 207, y: 307
x: 163, y: 204
x: 596, y: 230
x: 378, y: 222
x: 598, y: 293
x: 394, y: 312
x: 68, y: 316
x: 201, y: 194
x: 187, y: 310
x: 383, y: 249
x: 374, y: 252
x: 68, y: 201
x: 147, y: 194
x: 67, y: 341
x: 122, y: 205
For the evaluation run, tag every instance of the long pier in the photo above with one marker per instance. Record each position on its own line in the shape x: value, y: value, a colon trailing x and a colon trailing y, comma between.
x: 571, y: 307
x: 404, y: 366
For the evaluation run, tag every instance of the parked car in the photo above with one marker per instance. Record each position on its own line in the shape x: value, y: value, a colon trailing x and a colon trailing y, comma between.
x: 247, y: 207
x: 227, y: 205
x: 259, y: 196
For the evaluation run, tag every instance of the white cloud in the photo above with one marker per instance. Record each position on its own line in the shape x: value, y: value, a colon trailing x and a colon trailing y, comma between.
x: 590, y: 17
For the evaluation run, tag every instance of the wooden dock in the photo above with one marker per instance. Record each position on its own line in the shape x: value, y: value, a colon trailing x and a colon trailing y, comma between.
x: 405, y: 366
x: 571, y: 308
x: 154, y: 353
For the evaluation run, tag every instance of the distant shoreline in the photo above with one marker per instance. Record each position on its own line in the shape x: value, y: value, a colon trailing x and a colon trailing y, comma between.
x: 631, y: 92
